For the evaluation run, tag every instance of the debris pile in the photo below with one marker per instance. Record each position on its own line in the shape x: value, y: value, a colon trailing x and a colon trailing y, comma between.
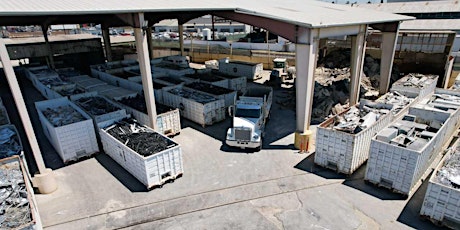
x: 62, y: 115
x: 138, y: 103
x: 397, y: 100
x: 193, y: 95
x: 14, y: 206
x: 96, y: 105
x: 171, y: 80
x: 449, y: 174
x: 415, y: 80
x: 53, y: 82
x: 69, y: 92
x: 9, y: 142
x: 356, y: 120
x: 139, y: 138
x: 204, y: 77
x: 208, y: 88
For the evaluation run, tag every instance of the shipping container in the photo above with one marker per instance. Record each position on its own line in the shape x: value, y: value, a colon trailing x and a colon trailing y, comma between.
x: 168, y: 119
x: 10, y: 141
x: 251, y: 71
x: 415, y: 85
x: 36, y: 73
x: 441, y: 204
x: 237, y: 83
x: 153, y: 169
x: 171, y: 69
x: 4, y: 118
x: 402, y: 153
x: 71, y: 141
x: 14, y: 170
x: 344, y: 146
x: 120, y: 82
x: 48, y: 87
x: 194, y: 105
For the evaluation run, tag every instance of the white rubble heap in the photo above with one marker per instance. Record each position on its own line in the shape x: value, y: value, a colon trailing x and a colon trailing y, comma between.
x: 415, y: 80
x: 449, y: 174
x: 62, y: 115
x: 356, y: 120
x: 396, y: 99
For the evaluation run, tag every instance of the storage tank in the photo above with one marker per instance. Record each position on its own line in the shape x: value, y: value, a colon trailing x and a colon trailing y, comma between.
x: 206, y: 34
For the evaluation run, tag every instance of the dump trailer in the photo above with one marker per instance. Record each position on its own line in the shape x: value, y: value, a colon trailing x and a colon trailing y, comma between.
x: 250, y: 114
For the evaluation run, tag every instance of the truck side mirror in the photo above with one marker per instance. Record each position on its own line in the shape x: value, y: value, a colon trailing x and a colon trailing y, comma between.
x: 231, y: 110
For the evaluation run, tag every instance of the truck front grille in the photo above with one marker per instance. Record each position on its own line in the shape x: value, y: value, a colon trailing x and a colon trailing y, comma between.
x: 243, y: 134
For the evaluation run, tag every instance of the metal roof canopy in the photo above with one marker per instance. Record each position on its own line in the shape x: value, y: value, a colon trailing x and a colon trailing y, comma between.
x: 414, y: 6
x: 282, y: 18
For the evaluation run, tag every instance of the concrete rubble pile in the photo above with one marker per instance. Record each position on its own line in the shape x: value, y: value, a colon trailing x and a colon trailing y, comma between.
x: 356, y: 120
x: 139, y: 138
x: 9, y: 142
x: 96, y: 105
x: 63, y: 115
x: 193, y: 95
x: 449, y: 174
x: 396, y: 99
x: 415, y: 80
x: 14, y: 204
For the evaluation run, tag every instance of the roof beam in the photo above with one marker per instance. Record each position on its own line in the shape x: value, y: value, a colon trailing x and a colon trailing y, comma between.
x: 386, y: 27
x: 283, y: 29
x: 336, y: 31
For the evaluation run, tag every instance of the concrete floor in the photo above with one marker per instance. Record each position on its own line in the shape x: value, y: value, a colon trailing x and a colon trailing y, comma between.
x: 276, y: 188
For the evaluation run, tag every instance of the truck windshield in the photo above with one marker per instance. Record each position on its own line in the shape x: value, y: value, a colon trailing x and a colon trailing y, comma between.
x: 251, y: 113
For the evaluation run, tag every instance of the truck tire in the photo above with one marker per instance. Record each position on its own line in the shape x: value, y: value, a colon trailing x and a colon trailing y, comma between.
x: 260, y: 146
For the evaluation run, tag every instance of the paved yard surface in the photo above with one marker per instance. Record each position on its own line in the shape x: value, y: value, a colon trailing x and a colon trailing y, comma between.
x: 222, y: 188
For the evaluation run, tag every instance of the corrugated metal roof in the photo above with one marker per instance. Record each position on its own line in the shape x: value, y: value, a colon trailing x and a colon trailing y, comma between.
x: 414, y: 7
x: 308, y: 13
x: 431, y: 24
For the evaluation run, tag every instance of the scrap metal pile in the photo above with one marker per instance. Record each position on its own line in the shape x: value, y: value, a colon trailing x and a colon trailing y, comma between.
x: 396, y: 99
x: 208, y: 88
x: 53, y: 82
x: 139, y: 138
x: 193, y: 95
x: 9, y: 142
x: 356, y: 120
x: 62, y: 115
x: 14, y: 204
x: 449, y: 174
x: 171, y: 80
x: 138, y: 103
x: 69, y: 92
x: 204, y: 77
x: 96, y: 105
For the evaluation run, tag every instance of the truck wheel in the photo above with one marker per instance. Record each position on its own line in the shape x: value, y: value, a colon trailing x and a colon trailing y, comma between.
x: 260, y: 146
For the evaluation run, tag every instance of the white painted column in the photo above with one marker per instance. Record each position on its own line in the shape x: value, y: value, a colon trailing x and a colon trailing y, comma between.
x: 181, y: 39
x: 146, y: 74
x: 358, y: 49
x: 47, y: 183
x: 48, y: 46
x: 107, y: 44
x: 305, y: 62
x: 150, y: 41
x: 388, y: 47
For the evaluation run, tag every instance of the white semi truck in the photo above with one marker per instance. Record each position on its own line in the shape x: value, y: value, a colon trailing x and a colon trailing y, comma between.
x: 250, y: 114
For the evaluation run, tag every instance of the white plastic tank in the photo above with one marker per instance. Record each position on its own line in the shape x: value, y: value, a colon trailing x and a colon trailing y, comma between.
x: 206, y: 34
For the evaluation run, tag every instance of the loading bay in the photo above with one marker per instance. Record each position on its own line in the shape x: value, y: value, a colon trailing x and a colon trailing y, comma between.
x: 221, y: 188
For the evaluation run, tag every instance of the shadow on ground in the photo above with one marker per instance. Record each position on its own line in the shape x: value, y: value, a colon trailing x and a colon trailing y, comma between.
x: 410, y: 215
x: 120, y: 173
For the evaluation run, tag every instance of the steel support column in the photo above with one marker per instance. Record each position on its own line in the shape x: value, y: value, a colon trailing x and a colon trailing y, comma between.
x: 181, y: 39
x: 450, y: 59
x: 146, y: 74
x: 305, y: 62
x: 107, y: 44
x: 45, y: 178
x: 48, y: 46
x: 358, y: 49
x: 388, y: 47
x: 150, y: 41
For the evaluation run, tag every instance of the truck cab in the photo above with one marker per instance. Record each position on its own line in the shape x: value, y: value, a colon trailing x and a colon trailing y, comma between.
x: 250, y: 114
